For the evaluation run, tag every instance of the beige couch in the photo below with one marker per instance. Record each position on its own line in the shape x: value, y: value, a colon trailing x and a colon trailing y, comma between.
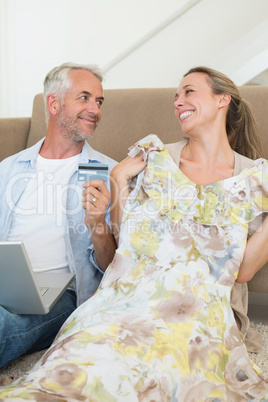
x: 128, y: 115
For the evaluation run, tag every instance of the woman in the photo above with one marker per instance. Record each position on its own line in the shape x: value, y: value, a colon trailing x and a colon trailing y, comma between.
x: 208, y: 156
x: 160, y: 327
x: 236, y: 124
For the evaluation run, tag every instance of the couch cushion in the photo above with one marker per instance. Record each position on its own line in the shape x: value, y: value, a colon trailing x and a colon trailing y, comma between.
x: 257, y: 97
x: 127, y: 116
x: 130, y: 114
x: 38, y: 123
x: 14, y: 134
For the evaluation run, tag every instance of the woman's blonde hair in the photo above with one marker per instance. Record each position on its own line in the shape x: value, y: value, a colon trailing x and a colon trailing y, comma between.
x: 241, y: 127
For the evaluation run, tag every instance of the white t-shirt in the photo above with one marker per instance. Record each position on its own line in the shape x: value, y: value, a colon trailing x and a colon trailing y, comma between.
x: 38, y: 220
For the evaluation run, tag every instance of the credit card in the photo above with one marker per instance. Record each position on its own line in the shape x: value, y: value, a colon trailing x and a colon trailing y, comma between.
x: 92, y: 171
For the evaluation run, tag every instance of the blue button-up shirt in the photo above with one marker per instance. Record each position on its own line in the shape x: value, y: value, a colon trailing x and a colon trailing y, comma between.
x: 15, y: 173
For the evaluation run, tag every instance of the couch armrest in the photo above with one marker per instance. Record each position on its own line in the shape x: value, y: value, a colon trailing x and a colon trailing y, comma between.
x: 14, y: 133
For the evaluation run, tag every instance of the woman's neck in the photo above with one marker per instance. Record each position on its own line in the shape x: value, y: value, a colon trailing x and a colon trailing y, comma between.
x: 209, y: 153
x: 207, y: 162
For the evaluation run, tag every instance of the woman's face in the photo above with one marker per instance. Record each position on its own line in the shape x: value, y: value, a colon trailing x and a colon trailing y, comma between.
x: 196, y: 107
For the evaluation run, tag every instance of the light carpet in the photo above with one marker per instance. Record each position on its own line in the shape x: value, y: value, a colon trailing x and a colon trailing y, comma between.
x: 261, y: 358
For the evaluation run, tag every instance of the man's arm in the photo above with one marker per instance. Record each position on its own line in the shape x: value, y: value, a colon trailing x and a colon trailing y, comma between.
x: 95, y: 203
x: 103, y: 244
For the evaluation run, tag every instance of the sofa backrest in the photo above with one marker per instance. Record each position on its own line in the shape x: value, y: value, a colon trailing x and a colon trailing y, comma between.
x: 127, y: 116
x: 130, y: 114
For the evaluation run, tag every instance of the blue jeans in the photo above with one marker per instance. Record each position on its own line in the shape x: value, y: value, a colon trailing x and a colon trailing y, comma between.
x: 27, y: 333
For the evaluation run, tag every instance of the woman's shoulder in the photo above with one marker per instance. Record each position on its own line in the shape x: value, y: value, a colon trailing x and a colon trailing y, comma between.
x: 242, y: 163
x: 175, y: 149
x: 176, y: 145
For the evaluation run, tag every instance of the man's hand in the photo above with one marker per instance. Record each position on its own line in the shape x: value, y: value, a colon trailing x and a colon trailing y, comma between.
x: 95, y: 202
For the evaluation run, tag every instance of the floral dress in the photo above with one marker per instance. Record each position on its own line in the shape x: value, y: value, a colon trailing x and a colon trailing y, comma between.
x: 160, y: 327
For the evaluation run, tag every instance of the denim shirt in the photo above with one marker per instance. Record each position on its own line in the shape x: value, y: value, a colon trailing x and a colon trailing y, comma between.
x: 15, y: 173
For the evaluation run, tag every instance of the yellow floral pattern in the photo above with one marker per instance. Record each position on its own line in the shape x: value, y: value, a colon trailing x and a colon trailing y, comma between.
x: 160, y: 327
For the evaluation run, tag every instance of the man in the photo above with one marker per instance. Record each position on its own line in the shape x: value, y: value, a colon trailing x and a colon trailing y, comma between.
x: 40, y: 204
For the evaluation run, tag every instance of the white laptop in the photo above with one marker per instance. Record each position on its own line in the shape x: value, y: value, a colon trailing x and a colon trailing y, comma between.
x: 21, y: 290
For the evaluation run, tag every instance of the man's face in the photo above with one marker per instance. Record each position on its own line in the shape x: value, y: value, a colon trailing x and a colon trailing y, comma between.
x: 80, y: 113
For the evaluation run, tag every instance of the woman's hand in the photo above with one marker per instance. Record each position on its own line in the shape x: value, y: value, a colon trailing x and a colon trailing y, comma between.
x: 119, y: 177
x: 128, y: 168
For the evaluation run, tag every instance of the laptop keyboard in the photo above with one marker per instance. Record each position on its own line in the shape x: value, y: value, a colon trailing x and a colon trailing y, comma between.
x: 43, y: 291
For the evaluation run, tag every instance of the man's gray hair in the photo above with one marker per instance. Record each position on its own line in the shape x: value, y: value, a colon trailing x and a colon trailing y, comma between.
x: 57, y: 81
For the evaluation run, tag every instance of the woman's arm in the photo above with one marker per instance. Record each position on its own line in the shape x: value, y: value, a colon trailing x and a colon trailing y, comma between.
x: 256, y: 253
x: 119, y: 177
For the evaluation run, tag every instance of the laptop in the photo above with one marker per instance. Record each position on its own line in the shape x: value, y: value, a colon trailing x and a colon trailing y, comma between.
x: 21, y: 290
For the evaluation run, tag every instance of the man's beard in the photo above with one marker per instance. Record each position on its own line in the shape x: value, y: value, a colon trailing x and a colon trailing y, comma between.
x: 70, y: 130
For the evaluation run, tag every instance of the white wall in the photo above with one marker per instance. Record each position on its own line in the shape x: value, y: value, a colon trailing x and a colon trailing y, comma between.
x: 141, y: 43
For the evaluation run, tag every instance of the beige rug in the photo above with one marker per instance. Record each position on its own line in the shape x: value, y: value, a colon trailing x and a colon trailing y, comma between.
x: 25, y: 363
x: 261, y: 358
